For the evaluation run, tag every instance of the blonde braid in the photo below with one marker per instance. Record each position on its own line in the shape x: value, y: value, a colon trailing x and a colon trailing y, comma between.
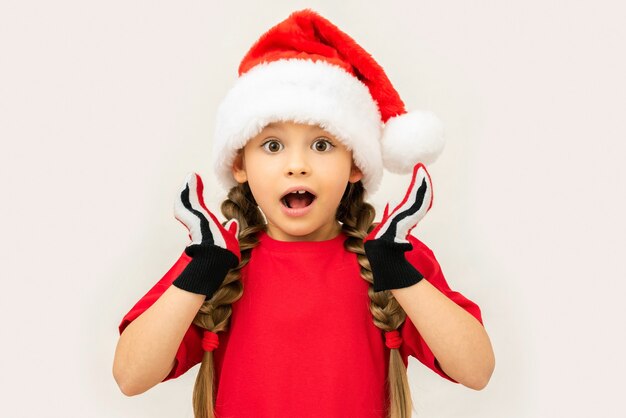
x: 357, y: 217
x: 214, y: 314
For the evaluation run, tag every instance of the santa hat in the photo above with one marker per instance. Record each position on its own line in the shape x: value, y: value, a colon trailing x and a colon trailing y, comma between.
x: 307, y: 70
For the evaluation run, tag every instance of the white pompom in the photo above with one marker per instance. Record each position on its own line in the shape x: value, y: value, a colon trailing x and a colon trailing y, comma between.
x: 411, y: 138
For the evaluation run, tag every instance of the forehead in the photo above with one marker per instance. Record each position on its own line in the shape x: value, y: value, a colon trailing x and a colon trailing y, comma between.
x: 287, y: 126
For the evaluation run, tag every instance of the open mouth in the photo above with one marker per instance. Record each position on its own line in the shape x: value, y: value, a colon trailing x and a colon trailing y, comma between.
x: 297, y: 199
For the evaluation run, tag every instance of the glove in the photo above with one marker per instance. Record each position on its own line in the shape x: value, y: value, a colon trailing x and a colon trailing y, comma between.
x: 214, y: 248
x: 386, y: 244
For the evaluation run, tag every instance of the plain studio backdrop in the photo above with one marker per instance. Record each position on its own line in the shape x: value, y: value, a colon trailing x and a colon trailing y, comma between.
x: 106, y: 106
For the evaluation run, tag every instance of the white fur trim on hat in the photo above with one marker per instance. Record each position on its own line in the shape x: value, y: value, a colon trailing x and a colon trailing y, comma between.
x: 304, y: 91
x: 411, y: 138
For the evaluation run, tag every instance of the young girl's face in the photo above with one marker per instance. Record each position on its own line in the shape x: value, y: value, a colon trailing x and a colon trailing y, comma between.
x: 286, y: 158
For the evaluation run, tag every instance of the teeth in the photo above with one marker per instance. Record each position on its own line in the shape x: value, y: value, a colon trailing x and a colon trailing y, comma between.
x: 301, y: 192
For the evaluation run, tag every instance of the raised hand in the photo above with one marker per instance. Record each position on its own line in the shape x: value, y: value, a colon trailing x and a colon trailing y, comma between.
x: 203, y: 226
x: 386, y: 244
x: 214, y: 248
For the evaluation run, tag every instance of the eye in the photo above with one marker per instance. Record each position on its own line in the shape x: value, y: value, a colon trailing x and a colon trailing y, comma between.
x: 272, y: 146
x: 322, y: 145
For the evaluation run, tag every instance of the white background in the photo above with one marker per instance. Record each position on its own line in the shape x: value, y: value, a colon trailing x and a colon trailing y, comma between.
x: 105, y: 106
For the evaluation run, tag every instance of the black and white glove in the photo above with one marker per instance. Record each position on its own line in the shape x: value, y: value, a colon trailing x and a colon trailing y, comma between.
x: 386, y: 244
x: 214, y: 249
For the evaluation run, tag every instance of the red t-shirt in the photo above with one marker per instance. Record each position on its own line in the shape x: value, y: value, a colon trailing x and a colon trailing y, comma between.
x: 301, y: 340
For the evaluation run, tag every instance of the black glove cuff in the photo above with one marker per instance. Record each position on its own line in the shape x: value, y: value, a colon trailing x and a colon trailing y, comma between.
x: 390, y: 268
x: 207, y: 269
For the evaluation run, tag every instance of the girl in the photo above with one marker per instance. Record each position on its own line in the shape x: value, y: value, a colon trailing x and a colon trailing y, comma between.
x: 298, y: 305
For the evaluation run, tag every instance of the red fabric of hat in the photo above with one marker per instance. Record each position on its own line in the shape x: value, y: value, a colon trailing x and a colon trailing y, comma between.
x: 307, y: 35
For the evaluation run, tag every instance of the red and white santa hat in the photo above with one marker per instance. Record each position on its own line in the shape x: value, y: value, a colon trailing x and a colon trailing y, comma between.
x: 307, y: 70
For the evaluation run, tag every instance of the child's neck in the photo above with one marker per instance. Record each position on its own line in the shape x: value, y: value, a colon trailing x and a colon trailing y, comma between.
x: 324, y: 233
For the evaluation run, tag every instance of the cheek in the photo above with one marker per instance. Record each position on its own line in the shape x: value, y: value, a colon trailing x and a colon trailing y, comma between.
x: 261, y: 184
x: 341, y: 168
x: 258, y: 187
x: 256, y: 169
x: 337, y: 178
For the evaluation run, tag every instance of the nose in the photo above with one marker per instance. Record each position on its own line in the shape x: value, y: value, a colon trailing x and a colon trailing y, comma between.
x: 297, y: 165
